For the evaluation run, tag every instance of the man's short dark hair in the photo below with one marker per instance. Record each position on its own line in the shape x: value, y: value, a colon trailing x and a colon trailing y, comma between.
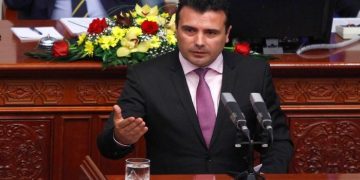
x: 205, y: 5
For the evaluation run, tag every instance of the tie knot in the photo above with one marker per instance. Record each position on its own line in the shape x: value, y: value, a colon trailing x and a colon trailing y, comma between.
x: 201, y: 72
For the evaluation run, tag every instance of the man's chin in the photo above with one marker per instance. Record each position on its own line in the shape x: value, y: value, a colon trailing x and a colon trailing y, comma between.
x: 200, y: 62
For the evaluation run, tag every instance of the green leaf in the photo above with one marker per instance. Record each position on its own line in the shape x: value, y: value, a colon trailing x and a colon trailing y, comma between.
x: 45, y: 55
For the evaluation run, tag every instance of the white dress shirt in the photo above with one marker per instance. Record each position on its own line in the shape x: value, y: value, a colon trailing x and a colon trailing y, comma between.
x: 63, y: 9
x: 213, y: 78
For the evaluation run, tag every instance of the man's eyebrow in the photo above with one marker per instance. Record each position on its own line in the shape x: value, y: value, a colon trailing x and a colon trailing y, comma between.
x: 187, y: 26
x: 208, y: 29
x: 213, y: 30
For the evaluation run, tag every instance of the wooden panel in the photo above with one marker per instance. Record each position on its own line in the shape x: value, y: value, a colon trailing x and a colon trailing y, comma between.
x: 326, y: 145
x: 30, y: 92
x: 25, y: 147
x: 318, y: 90
x: 77, y: 143
x: 59, y: 92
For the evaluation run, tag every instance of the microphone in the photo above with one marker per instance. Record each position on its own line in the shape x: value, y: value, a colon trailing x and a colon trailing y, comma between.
x: 236, y: 116
x: 262, y: 112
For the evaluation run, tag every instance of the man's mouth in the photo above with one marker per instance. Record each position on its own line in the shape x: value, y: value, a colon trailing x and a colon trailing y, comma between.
x: 199, y: 52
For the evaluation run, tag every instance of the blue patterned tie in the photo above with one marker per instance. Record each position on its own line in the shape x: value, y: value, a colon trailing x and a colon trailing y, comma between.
x: 205, y: 106
x: 79, y: 8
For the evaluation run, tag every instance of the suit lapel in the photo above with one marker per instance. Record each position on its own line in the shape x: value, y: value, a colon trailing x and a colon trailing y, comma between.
x: 228, y: 83
x: 179, y: 82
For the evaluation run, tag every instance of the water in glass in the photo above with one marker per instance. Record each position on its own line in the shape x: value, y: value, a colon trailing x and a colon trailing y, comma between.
x: 137, y: 171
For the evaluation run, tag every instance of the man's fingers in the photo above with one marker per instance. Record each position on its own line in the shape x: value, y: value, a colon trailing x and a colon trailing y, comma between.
x: 143, y: 129
x: 127, y: 124
x: 119, y: 121
x: 124, y: 123
x: 129, y: 130
x: 139, y: 130
x: 131, y: 124
x: 132, y: 132
x: 117, y: 112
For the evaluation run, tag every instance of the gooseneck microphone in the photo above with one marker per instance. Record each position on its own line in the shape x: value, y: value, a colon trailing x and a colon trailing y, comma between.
x: 236, y: 116
x: 262, y: 112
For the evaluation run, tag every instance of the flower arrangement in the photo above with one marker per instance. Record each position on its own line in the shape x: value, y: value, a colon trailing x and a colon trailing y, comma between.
x: 127, y: 38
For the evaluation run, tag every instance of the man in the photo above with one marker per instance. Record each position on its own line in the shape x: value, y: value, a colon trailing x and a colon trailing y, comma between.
x: 56, y: 9
x: 160, y: 102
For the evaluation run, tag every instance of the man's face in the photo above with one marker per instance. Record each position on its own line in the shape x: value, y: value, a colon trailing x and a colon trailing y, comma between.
x: 201, y: 36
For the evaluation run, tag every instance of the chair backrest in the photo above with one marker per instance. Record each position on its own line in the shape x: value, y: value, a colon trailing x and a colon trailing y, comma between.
x: 8, y: 14
x: 90, y: 169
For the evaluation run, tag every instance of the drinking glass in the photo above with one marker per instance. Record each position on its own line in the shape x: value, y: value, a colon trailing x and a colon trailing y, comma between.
x: 137, y: 169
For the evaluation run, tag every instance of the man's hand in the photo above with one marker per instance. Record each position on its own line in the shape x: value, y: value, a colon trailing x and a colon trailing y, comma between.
x: 127, y: 131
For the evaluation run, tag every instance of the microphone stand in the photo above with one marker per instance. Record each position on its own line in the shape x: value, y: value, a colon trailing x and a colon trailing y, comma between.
x: 250, y: 173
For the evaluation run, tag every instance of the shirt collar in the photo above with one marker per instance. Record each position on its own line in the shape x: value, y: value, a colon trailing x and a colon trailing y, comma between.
x: 217, y: 65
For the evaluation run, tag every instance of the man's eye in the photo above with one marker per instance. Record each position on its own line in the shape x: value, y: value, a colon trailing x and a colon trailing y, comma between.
x: 212, y: 33
x: 190, y: 30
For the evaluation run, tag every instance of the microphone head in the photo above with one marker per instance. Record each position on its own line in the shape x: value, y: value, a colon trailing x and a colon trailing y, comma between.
x: 256, y: 97
x: 260, y: 109
x: 236, y: 116
x: 227, y: 97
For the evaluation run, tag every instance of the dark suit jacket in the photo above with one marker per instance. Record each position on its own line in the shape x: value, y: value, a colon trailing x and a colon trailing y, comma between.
x: 157, y: 91
x: 42, y: 9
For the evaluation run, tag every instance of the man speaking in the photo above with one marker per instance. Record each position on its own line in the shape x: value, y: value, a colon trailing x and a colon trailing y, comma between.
x: 173, y: 101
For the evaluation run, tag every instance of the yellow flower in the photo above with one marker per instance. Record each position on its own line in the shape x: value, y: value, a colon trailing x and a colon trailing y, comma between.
x: 146, y: 10
x: 133, y: 14
x: 106, y: 42
x: 155, y: 42
x: 122, y: 52
x: 164, y: 15
x: 171, y: 24
x: 143, y: 46
x: 89, y: 48
x: 170, y: 37
x: 129, y: 43
x: 81, y: 38
x: 139, y: 21
x: 152, y: 18
x: 159, y: 20
x: 133, y: 33
x: 118, y: 32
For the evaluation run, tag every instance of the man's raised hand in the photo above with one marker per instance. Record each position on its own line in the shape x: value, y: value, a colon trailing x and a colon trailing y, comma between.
x: 127, y: 131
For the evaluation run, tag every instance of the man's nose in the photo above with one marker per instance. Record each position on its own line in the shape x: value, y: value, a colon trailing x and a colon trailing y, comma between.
x: 199, y: 41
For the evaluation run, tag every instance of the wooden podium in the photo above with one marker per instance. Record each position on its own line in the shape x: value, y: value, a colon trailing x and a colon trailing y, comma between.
x: 51, y: 112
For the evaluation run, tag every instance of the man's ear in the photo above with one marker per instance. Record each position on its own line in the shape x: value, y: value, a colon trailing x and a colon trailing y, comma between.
x: 228, y: 34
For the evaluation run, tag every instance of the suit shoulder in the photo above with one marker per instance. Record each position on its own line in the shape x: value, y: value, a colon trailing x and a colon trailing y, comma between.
x: 244, y: 61
x: 161, y: 62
